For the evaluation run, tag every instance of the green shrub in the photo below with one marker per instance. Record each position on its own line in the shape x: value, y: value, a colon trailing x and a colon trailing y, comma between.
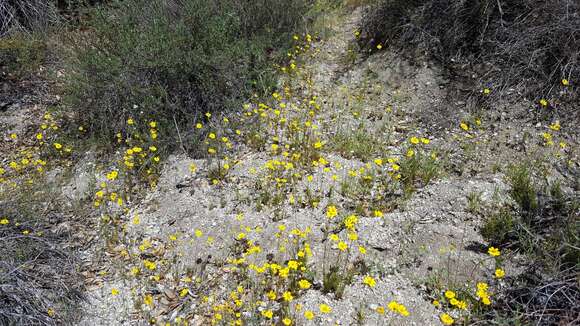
x: 21, y: 55
x: 419, y: 169
x: 522, y: 189
x: 498, y: 228
x: 172, y: 61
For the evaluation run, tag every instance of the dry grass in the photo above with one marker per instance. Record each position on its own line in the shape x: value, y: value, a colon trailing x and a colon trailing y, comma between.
x: 526, y: 45
x: 40, y: 280
x: 26, y: 15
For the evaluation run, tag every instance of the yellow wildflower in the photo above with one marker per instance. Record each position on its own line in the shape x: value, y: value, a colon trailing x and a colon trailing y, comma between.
x: 499, y: 273
x: 494, y: 252
x: 287, y: 296
x: 368, y: 280
x: 482, y: 286
x: 398, y: 308
x: 486, y: 301
x: 267, y: 313
x: 148, y: 299
x: 324, y: 308
x: 446, y: 319
x: 331, y: 211
x: 304, y: 284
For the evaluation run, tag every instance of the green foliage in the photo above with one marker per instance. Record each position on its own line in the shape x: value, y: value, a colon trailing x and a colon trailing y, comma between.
x: 21, y: 54
x: 175, y: 60
x: 474, y: 202
x: 498, y: 228
x: 522, y: 189
x: 418, y: 170
x: 338, y: 277
x: 546, y: 231
x: 356, y: 144
x: 334, y: 282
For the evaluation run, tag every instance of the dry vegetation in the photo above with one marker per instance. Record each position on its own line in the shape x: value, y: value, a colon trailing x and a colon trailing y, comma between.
x: 522, y: 48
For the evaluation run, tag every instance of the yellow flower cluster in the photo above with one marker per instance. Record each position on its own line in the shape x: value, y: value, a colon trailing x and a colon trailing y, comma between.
x: 482, y: 293
x: 398, y: 308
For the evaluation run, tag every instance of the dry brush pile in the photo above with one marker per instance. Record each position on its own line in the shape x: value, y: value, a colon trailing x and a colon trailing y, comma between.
x: 522, y: 47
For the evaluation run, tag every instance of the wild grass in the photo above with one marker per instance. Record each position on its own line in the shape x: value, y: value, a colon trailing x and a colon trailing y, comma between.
x: 360, y: 144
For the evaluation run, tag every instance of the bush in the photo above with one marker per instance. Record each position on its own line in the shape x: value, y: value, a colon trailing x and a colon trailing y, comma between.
x: 530, y: 44
x: 175, y: 60
x: 499, y: 228
x: 21, y: 55
x: 523, y: 190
